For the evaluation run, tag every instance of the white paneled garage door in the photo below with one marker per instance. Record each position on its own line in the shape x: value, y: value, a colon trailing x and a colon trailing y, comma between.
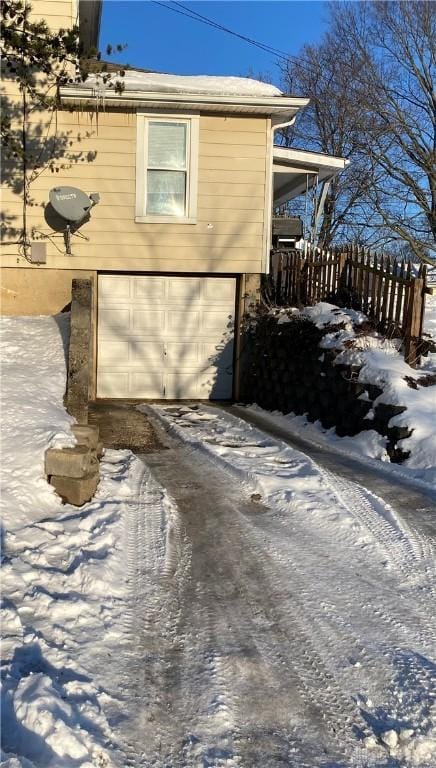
x: 165, y: 337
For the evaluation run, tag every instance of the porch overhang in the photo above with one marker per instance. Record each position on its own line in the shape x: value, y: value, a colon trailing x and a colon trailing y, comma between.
x: 295, y: 170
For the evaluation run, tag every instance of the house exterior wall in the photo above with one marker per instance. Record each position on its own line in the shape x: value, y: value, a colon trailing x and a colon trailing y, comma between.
x: 37, y: 291
x: 96, y: 151
x: 59, y: 14
x: 100, y: 156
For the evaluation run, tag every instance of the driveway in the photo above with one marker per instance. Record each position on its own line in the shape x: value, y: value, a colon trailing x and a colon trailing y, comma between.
x: 268, y: 633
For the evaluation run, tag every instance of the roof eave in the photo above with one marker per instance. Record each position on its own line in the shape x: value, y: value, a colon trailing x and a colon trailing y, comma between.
x: 308, y: 158
x: 278, y: 105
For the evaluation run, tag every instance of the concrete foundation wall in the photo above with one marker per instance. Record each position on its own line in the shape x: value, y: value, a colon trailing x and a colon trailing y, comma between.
x: 36, y: 291
x: 81, y: 350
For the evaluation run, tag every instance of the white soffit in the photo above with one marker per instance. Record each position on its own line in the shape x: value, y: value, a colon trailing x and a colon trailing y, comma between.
x: 294, y: 169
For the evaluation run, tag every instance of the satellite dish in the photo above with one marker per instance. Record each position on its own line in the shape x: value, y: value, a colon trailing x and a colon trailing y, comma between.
x: 71, y: 203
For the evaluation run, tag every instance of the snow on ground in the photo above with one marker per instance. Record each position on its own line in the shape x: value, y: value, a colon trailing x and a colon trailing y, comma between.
x: 92, y: 597
x: 63, y: 571
x: 190, y: 84
x: 383, y: 365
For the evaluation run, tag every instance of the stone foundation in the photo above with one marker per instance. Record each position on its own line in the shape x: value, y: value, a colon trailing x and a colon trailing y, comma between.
x: 286, y: 370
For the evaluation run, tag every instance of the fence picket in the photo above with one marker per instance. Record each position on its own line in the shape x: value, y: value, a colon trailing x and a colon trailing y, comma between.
x: 366, y: 292
x: 392, y: 295
x: 384, y: 289
x: 385, y: 294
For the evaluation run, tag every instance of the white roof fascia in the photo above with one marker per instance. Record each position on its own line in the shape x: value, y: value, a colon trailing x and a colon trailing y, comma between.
x: 303, y: 169
x: 268, y: 105
x: 313, y: 160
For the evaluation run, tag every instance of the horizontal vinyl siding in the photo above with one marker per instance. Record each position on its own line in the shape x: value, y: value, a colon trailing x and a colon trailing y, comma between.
x: 58, y: 14
x: 114, y: 223
x: 228, y: 235
x: 186, y: 263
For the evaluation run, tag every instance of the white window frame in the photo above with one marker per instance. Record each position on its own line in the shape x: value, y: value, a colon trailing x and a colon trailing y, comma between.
x: 192, y: 123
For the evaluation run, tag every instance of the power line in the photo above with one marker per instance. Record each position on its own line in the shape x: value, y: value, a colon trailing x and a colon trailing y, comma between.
x: 205, y: 19
x: 276, y: 52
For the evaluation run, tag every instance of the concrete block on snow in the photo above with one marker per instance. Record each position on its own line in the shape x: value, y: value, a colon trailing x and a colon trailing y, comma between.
x: 86, y: 434
x: 76, y: 491
x: 69, y: 462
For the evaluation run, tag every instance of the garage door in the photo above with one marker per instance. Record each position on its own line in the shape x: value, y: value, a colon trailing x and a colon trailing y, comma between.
x: 165, y: 337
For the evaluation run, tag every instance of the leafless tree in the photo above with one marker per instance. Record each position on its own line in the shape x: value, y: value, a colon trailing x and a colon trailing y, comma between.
x: 371, y: 81
x: 329, y: 126
x: 388, y: 49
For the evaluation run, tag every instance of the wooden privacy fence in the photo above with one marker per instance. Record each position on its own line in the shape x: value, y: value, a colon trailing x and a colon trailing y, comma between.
x: 380, y: 286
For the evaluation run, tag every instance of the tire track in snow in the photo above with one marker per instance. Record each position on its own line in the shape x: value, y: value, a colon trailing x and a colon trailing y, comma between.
x: 300, y: 649
x: 407, y: 550
x: 154, y: 545
x: 388, y: 631
x: 291, y: 639
x: 224, y: 634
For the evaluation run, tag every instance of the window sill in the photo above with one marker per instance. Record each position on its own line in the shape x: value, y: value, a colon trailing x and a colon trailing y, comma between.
x: 164, y: 220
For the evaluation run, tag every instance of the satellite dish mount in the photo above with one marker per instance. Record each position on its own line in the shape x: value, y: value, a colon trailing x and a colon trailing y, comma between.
x: 73, y: 206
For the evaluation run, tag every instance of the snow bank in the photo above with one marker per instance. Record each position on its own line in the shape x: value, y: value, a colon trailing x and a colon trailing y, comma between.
x: 324, y: 314
x: 381, y: 364
x: 154, y: 82
x: 33, y: 384
x: 63, y: 571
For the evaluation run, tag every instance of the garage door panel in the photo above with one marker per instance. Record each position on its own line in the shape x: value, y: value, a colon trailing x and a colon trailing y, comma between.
x: 149, y: 321
x: 148, y: 384
x: 218, y: 354
x: 181, y: 384
x: 216, y: 291
x: 112, y: 383
x: 215, y: 384
x: 146, y: 353
x: 184, y: 290
x: 114, y: 320
x: 183, y: 354
x: 217, y: 322
x: 113, y: 289
x: 183, y: 323
x: 114, y: 353
x: 210, y: 383
x: 152, y: 289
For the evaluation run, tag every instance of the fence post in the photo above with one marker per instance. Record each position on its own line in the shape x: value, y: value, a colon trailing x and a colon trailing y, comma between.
x: 413, y: 321
x: 342, y: 272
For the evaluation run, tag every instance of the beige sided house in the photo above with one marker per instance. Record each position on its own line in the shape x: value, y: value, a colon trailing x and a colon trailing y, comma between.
x: 188, y: 176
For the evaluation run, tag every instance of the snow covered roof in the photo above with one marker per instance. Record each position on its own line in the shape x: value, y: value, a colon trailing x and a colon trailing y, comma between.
x: 154, y: 89
x: 152, y: 82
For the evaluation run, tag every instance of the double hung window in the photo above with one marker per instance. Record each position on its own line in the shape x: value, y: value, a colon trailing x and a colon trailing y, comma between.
x: 166, y: 169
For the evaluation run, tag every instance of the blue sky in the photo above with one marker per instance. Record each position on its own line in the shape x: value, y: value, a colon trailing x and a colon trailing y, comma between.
x: 165, y: 41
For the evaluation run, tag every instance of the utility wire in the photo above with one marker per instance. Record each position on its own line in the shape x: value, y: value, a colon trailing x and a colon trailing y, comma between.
x: 276, y: 52
x: 206, y: 20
